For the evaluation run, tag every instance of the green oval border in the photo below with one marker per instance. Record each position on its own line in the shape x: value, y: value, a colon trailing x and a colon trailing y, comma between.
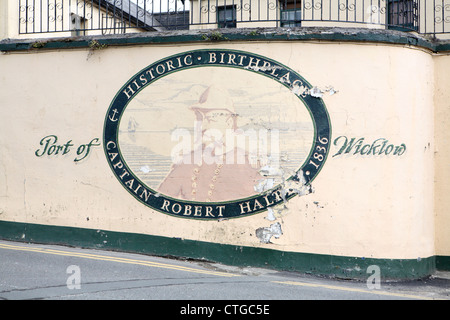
x: 201, y: 58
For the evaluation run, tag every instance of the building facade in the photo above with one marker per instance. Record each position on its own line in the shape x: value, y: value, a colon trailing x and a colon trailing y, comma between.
x: 312, y: 137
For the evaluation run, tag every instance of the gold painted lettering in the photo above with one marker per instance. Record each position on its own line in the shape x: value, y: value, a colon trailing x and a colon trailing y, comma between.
x: 268, y: 202
x: 220, y: 210
x: 186, y: 60
x: 197, y: 211
x: 231, y: 58
x: 187, y: 210
x: 128, y: 91
x: 178, y: 209
x: 212, y: 57
x: 257, y: 205
x: 245, y: 205
x: 169, y: 65
x: 165, y: 205
x: 209, y: 212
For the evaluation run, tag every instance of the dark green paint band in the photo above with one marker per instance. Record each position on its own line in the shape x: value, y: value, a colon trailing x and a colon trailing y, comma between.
x: 317, y: 264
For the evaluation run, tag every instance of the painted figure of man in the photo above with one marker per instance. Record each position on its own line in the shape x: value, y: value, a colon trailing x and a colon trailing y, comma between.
x: 216, y: 169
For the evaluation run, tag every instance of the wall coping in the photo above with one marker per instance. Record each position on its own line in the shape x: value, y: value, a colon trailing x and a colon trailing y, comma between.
x: 326, y: 34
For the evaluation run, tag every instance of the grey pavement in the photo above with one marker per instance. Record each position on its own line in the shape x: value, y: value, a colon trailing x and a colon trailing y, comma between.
x: 50, y: 272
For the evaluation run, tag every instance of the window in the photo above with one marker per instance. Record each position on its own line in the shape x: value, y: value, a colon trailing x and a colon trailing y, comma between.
x: 403, y: 15
x: 291, y: 13
x: 226, y: 16
x: 291, y: 18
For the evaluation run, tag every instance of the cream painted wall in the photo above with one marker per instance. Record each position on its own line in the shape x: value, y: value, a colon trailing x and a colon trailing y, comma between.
x: 3, y: 20
x: 442, y: 154
x: 377, y: 206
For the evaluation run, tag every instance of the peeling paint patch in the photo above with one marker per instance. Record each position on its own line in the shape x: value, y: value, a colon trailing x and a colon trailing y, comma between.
x: 318, y: 92
x: 300, y: 90
x: 270, y: 214
x: 332, y: 91
x: 264, y: 185
x: 271, y: 171
x: 298, y: 185
x: 265, y: 234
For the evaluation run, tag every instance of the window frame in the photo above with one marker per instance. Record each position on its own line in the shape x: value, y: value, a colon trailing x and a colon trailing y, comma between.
x: 396, y: 20
x: 296, y: 22
x: 224, y: 23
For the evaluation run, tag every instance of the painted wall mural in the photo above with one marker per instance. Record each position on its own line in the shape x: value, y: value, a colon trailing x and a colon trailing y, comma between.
x: 229, y: 149
x: 212, y: 134
x: 215, y: 134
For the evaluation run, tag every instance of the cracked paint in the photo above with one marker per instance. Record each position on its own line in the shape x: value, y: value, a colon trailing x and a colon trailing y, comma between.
x: 299, y: 186
x: 266, y: 233
x: 317, y: 92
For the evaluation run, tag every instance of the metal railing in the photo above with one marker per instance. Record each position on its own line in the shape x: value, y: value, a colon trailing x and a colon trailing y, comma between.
x: 81, y: 17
